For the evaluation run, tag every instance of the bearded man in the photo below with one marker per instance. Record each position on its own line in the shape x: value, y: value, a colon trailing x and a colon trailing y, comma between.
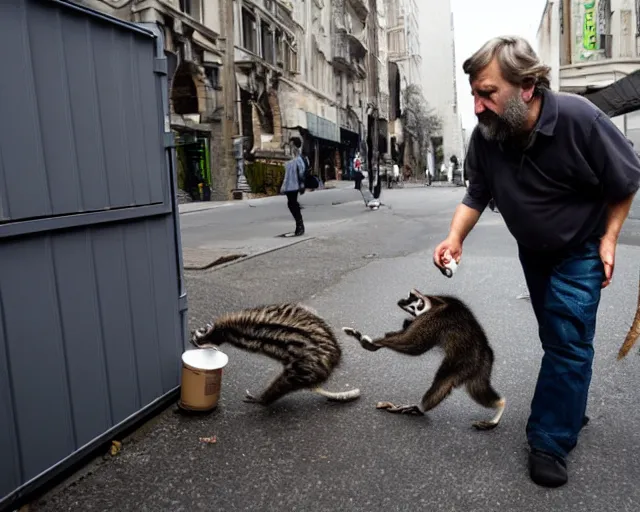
x: 563, y: 177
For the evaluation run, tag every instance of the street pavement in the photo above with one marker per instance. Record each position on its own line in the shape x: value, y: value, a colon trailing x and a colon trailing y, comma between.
x: 305, y: 453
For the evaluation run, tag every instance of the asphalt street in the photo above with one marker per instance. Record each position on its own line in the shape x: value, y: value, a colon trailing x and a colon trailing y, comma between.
x: 305, y: 453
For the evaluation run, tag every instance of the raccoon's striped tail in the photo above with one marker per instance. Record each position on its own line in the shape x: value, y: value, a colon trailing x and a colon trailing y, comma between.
x: 633, y: 334
x: 339, y: 396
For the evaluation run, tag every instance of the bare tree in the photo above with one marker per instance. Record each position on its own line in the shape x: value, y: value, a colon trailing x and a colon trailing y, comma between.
x: 420, y: 123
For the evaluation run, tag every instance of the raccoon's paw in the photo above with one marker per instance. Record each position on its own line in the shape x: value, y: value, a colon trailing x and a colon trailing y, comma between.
x: 198, y: 334
x: 249, y: 398
x: 400, y: 409
x: 352, y: 332
x: 484, y: 425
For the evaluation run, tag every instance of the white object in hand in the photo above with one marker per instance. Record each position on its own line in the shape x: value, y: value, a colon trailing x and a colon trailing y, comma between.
x: 450, y: 267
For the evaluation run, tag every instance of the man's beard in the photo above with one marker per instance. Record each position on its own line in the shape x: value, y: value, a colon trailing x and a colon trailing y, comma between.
x: 505, y: 126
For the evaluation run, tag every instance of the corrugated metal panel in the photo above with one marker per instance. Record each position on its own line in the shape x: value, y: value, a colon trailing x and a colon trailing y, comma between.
x: 10, y: 464
x: 79, y: 133
x: 92, y: 302
x: 91, y: 335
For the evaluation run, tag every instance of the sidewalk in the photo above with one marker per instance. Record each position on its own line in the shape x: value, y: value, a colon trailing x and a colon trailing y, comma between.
x: 216, y: 234
x: 198, y: 206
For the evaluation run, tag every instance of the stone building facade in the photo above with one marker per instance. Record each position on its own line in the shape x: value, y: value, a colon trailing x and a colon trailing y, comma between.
x: 192, y: 33
x: 312, y: 70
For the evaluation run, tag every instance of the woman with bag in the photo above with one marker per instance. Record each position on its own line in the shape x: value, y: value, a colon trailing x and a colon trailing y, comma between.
x: 293, y: 184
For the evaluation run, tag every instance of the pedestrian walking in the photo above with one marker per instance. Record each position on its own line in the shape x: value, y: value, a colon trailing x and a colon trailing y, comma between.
x: 563, y: 177
x: 358, y: 175
x: 294, y: 184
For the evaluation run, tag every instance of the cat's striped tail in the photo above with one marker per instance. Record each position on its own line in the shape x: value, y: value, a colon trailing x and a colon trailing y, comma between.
x: 633, y: 334
x: 340, y: 396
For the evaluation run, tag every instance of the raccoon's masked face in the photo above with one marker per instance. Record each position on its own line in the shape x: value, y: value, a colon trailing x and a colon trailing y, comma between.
x: 415, y: 304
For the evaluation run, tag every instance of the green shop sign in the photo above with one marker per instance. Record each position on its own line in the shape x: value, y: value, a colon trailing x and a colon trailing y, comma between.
x: 589, y: 30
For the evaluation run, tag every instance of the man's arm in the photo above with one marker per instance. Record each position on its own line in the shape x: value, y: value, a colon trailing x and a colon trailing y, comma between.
x: 477, y: 196
x: 464, y: 220
x: 617, y: 214
x: 617, y: 166
x: 614, y: 161
x: 467, y: 214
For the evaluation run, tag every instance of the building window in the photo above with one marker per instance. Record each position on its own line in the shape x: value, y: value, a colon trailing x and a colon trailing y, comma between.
x: 280, y: 50
x: 293, y: 66
x: 192, y: 8
x: 287, y: 55
x: 268, y: 53
x: 392, y: 13
x: 213, y: 75
x: 249, y: 41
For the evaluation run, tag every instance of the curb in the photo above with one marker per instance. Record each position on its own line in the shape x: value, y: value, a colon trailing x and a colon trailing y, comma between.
x: 207, y: 208
x: 221, y: 204
x: 251, y: 256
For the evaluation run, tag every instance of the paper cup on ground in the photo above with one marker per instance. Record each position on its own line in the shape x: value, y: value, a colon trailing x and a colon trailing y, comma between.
x: 201, y: 378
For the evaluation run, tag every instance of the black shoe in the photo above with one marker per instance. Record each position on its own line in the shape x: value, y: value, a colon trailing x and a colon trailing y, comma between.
x: 546, y: 469
x: 299, y: 230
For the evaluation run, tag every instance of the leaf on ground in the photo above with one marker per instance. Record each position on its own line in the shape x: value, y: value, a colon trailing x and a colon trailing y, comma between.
x: 115, y: 447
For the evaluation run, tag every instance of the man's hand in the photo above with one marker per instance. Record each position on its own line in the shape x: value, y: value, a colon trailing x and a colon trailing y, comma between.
x: 450, y: 248
x: 617, y: 214
x: 608, y: 257
x: 464, y: 219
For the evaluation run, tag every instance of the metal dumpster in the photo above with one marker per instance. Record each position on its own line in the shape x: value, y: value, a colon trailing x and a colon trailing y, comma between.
x: 92, y: 301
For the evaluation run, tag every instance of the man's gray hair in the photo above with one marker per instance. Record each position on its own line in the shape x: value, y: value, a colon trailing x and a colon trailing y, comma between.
x: 518, y: 62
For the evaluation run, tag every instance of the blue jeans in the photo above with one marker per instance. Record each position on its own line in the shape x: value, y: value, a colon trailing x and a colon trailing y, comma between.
x: 565, y: 291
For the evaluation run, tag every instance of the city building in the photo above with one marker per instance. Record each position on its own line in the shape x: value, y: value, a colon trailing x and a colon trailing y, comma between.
x: 404, y: 59
x: 266, y: 65
x: 592, y: 49
x: 376, y: 108
x: 439, y: 78
x: 403, y: 38
x: 192, y: 33
x: 311, y: 70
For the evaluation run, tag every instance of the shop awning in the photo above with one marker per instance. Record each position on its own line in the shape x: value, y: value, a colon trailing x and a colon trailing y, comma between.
x: 322, y: 128
x: 620, y: 97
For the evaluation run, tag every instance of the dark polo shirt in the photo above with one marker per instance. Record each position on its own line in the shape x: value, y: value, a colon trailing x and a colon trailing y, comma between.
x: 553, y: 194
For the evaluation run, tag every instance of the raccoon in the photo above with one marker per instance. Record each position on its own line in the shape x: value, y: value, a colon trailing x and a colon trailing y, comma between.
x: 446, y: 322
x: 290, y: 333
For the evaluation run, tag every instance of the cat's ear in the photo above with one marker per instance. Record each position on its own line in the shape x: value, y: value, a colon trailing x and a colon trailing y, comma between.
x: 416, y: 293
x: 421, y: 302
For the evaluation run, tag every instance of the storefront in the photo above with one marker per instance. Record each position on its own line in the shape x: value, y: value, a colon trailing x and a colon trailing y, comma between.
x: 350, y: 141
x: 323, y: 141
x: 193, y: 155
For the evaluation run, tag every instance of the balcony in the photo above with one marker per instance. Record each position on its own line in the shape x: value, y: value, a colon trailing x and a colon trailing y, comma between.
x: 341, y: 53
x: 583, y: 76
x: 356, y: 45
x: 348, y: 54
